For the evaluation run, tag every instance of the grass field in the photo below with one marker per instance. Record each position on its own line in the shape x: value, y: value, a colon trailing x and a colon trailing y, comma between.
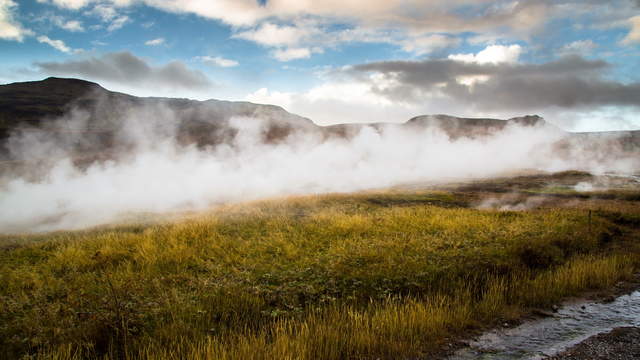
x: 388, y: 274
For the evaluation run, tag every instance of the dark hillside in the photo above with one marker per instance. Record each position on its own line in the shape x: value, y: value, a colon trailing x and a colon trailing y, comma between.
x: 88, y: 118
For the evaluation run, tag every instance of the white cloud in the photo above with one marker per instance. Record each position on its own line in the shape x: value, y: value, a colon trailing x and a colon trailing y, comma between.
x: 155, y: 42
x: 606, y: 118
x: 73, y: 26
x: 234, y: 12
x: 305, y: 37
x: 109, y: 15
x: 70, y: 4
x: 59, y: 21
x: 264, y: 96
x: 125, y: 72
x: 508, y: 18
x: 57, y: 44
x: 340, y: 101
x: 217, y: 61
x: 433, y: 16
x: 484, y: 39
x: 363, y: 100
x: 352, y: 92
x: 79, y: 4
x: 492, y: 54
x: 289, y: 26
x: 580, y: 47
x: 98, y: 43
x: 419, y: 15
x: 471, y: 80
x: 104, y: 12
x: 291, y: 42
x: 364, y: 34
x: 10, y: 29
x: 275, y: 35
x: 118, y: 23
x: 427, y: 44
x: 324, y: 108
x: 634, y: 33
x: 289, y: 54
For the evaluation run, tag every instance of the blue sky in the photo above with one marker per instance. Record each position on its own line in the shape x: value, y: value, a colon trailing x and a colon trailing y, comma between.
x: 574, y: 62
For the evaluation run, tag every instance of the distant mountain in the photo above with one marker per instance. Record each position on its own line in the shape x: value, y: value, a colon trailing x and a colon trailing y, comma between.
x: 35, y: 103
x: 472, y: 127
x: 98, y: 114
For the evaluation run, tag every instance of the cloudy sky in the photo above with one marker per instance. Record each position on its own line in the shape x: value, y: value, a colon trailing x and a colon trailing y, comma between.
x: 575, y: 62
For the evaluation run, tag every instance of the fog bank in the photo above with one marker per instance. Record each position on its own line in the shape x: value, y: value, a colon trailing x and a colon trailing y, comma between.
x: 158, y: 174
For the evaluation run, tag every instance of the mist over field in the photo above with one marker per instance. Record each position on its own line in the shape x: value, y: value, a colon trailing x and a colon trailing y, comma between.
x: 319, y: 180
x: 153, y: 172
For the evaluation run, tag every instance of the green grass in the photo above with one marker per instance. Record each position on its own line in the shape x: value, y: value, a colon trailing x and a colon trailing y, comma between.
x: 372, y: 275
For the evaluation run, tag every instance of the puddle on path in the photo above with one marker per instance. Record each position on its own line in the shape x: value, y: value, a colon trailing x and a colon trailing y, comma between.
x: 572, y: 324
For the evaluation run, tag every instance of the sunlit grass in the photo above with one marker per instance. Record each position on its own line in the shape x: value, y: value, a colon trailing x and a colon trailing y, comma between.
x: 372, y: 275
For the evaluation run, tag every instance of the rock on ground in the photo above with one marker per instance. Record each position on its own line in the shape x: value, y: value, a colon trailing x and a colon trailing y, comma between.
x: 619, y: 344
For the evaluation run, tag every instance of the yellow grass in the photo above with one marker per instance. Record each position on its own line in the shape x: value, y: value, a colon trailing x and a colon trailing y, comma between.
x: 378, y: 275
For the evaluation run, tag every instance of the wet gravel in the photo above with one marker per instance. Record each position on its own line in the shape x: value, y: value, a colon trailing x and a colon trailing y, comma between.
x: 619, y: 344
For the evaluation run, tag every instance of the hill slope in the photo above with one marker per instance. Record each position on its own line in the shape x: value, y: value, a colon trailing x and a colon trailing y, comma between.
x: 35, y: 103
x: 95, y: 116
x: 38, y: 103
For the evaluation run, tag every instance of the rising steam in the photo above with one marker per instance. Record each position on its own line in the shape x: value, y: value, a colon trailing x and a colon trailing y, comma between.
x: 157, y: 174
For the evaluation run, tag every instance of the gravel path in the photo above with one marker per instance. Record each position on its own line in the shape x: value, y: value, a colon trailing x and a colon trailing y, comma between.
x: 620, y: 344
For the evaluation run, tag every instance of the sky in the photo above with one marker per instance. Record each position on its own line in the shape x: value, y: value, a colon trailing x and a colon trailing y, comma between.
x: 574, y: 62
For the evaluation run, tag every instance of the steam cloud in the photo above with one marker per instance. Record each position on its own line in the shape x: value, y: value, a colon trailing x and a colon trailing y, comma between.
x: 157, y: 174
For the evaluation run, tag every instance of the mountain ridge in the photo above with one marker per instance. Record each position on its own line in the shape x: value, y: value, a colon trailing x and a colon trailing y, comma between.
x: 60, y: 92
x: 42, y: 104
x: 67, y: 90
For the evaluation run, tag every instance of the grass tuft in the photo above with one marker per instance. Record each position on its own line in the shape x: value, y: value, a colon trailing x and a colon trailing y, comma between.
x: 371, y: 275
